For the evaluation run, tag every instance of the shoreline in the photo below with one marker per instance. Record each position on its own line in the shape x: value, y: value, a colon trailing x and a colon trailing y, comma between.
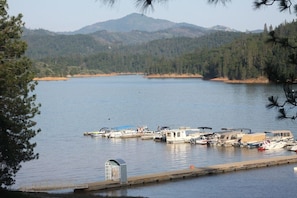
x: 151, y: 76
x: 260, y: 80
x: 53, y: 78
x: 50, y: 78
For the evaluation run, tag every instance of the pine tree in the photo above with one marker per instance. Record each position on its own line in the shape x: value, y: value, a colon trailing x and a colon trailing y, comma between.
x: 17, y: 102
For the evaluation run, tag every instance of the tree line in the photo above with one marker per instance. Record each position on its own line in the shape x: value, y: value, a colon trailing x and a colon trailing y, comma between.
x: 250, y: 56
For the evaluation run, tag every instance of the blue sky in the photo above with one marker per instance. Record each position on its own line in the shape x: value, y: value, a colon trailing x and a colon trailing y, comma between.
x: 70, y: 15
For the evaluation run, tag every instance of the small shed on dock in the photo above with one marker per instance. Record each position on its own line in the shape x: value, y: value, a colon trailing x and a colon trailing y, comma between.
x: 116, y: 170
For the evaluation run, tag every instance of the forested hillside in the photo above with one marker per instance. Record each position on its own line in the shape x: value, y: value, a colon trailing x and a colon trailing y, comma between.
x: 79, y: 54
x: 232, y: 55
x: 42, y: 43
x: 42, y: 46
x: 250, y: 56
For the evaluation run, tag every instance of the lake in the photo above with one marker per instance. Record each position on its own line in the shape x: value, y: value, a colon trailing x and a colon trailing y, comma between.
x: 72, y: 107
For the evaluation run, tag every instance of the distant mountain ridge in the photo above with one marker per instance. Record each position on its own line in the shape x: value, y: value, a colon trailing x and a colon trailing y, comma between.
x: 132, y: 30
x: 128, y: 23
x: 140, y: 22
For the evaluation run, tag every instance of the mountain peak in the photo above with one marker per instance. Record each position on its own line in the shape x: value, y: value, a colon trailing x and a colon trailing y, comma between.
x: 128, y: 23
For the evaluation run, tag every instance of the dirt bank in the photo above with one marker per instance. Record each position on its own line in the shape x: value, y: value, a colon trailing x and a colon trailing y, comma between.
x: 173, y: 76
x: 260, y: 80
x: 83, y: 76
x: 93, y: 75
x: 50, y: 78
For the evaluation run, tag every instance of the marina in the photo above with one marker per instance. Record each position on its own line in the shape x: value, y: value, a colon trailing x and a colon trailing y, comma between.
x: 239, y: 137
x: 68, y: 159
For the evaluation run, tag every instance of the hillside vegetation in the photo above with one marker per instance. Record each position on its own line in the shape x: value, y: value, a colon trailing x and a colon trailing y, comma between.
x: 63, y: 55
x: 250, y: 56
x: 180, y: 49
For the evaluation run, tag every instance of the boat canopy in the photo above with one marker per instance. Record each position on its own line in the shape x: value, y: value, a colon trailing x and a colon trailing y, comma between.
x: 123, y: 127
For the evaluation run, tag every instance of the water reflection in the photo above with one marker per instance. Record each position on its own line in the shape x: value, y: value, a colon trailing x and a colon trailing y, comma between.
x: 177, y: 155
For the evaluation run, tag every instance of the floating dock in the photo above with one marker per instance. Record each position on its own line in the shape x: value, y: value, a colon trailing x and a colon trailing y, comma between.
x: 191, y: 172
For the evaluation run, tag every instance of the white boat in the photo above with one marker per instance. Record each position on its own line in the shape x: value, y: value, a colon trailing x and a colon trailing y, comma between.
x: 272, y: 145
x: 100, y: 132
x: 277, y: 139
x: 279, y: 135
x: 129, y: 132
x: 182, y: 135
x: 175, y: 136
x: 204, y: 138
x: 122, y: 132
x: 139, y: 132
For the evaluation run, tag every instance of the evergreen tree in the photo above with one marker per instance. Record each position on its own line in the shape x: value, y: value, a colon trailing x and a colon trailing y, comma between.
x: 17, y: 103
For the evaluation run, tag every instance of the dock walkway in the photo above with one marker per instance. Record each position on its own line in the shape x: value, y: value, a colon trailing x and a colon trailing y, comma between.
x: 191, y: 172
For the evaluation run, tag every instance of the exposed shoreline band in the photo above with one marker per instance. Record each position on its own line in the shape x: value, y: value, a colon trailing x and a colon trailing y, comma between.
x: 260, y: 80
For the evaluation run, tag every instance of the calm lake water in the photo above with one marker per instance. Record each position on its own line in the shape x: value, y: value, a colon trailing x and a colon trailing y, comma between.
x: 72, y: 107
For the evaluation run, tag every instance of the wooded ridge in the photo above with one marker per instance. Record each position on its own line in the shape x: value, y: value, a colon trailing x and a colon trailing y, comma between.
x: 177, y: 50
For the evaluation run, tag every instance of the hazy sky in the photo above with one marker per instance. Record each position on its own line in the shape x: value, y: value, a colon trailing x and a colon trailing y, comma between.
x: 70, y: 15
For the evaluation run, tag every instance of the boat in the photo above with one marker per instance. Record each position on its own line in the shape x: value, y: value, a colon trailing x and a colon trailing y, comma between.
x: 230, y: 137
x: 252, y: 140
x: 204, y: 138
x: 175, y: 136
x: 277, y: 139
x: 147, y: 134
x: 139, y: 132
x: 182, y: 135
x: 205, y: 129
x: 129, y: 131
x: 194, y: 133
x: 126, y: 131
x: 100, y: 132
x: 279, y: 135
x: 272, y: 145
x: 160, y: 134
